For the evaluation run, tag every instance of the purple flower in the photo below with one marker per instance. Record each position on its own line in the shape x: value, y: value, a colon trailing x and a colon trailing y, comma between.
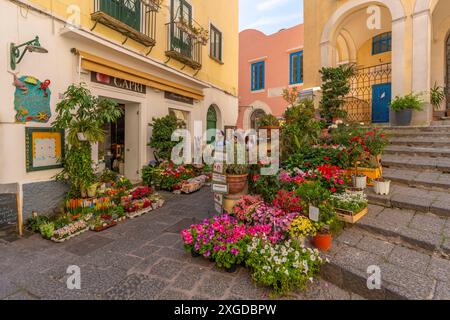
x: 235, y: 251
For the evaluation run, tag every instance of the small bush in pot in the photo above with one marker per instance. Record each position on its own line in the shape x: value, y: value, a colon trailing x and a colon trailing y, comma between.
x: 237, y: 177
x: 404, y: 106
x: 268, y: 121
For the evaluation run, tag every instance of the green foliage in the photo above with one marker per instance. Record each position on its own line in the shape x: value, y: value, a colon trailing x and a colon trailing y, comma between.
x: 236, y: 169
x: 301, y: 128
x: 81, y: 112
x: 34, y: 223
x: 161, y: 140
x: 268, y: 120
x: 335, y: 87
x: 437, y: 96
x: 410, y: 101
x: 312, y: 193
x: 47, y: 230
x: 310, y: 157
x: 266, y: 186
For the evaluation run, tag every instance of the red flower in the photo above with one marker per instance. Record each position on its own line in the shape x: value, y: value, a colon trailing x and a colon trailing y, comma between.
x: 333, y: 190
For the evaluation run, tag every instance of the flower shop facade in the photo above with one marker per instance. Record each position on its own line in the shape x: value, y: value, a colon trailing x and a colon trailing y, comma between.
x: 398, y: 46
x: 144, y: 79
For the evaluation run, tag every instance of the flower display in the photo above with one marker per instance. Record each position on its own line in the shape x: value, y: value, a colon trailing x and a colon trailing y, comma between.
x: 70, y: 230
x: 284, y: 267
x: 350, y: 201
x: 302, y: 227
x: 141, y: 192
x: 287, y: 201
x: 245, y: 208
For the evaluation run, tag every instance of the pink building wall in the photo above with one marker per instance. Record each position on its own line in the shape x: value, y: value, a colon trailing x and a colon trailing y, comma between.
x: 275, y: 50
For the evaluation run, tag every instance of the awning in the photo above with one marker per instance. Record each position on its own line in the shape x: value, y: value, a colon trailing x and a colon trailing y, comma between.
x: 97, y: 64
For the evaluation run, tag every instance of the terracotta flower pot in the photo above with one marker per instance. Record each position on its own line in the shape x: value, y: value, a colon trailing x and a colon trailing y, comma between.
x: 237, y: 183
x: 323, y: 241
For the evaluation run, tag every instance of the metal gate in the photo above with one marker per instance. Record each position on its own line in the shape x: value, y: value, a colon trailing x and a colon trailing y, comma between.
x: 358, y: 103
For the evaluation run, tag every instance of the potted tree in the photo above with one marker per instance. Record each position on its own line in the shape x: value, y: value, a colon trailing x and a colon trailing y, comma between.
x: 437, y: 97
x: 80, y: 112
x: 404, y: 107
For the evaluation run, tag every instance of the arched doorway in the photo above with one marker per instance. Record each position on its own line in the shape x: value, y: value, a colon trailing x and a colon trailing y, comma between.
x: 211, y: 122
x: 254, y: 118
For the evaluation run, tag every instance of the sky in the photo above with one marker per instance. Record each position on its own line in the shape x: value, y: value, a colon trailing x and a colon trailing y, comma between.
x: 269, y: 16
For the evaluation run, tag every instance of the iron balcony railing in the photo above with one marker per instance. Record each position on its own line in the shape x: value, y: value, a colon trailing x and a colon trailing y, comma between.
x: 183, y: 46
x: 135, y: 19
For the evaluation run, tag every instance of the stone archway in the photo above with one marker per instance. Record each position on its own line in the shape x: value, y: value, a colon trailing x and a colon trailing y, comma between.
x: 398, y: 17
x: 256, y: 105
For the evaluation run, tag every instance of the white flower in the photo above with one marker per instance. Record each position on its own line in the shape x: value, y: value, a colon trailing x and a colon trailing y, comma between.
x: 327, y: 260
x: 311, y: 279
x: 287, y: 272
x: 313, y: 258
x: 263, y: 251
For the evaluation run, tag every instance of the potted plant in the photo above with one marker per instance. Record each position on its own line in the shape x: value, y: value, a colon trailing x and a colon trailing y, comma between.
x: 237, y: 178
x: 268, y: 121
x: 301, y: 228
x: 327, y: 226
x: 404, y: 106
x: 382, y: 186
x: 437, y: 97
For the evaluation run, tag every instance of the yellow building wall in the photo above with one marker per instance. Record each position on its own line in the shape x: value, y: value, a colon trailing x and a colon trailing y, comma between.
x: 365, y: 58
x: 317, y: 14
x: 223, y: 14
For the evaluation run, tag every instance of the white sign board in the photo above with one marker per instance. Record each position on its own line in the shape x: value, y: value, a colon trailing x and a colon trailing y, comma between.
x: 314, y: 213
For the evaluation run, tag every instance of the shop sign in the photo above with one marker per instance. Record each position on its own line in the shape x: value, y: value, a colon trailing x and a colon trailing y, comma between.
x: 178, y: 97
x: 118, y: 83
x: 219, y: 178
x: 220, y: 188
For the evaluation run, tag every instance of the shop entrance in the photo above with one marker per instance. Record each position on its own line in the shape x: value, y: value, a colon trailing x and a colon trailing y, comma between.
x: 120, y: 150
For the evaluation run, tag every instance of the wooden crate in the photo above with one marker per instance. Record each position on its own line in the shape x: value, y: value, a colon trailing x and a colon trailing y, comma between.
x: 349, y: 217
x: 371, y: 174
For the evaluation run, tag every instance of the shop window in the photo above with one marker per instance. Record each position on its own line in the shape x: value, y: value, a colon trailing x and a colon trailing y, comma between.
x: 382, y: 43
x: 254, y: 119
x: 296, y: 63
x: 211, y: 122
x: 258, y: 75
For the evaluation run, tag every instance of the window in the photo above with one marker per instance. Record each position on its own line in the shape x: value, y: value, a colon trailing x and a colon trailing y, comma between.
x: 296, y: 72
x: 258, y: 74
x: 254, y: 118
x: 382, y: 43
x: 211, y: 123
x: 129, y: 12
x: 215, y: 44
x: 181, y: 41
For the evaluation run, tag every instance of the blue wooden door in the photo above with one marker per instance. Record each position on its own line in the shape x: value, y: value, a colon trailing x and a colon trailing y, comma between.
x: 381, y: 100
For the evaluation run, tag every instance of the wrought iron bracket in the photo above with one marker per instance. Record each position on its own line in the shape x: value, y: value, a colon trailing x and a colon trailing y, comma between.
x: 149, y: 51
x: 125, y: 41
x: 167, y: 61
x: 196, y: 73
x: 95, y: 25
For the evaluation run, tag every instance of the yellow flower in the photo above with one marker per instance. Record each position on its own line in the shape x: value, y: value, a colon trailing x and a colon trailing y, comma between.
x: 302, y: 227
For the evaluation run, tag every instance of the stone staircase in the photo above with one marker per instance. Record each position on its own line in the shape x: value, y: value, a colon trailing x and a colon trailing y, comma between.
x: 405, y: 234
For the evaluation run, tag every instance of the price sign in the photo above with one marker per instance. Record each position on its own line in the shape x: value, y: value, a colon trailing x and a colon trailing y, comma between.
x: 219, y: 178
x: 218, y: 198
x: 314, y: 213
x: 218, y: 167
x: 220, y: 188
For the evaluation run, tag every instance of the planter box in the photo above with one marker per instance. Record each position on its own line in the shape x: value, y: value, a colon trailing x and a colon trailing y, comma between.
x: 133, y: 215
x: 350, y: 217
x: 104, y: 227
x: 370, y: 173
x: 69, y: 237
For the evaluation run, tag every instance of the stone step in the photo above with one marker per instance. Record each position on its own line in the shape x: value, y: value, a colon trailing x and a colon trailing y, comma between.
x: 441, y: 123
x: 413, y: 134
x: 402, y: 197
x: 418, y: 151
x: 421, y: 141
x: 439, y: 127
x: 427, y: 180
x: 416, y: 163
x: 406, y: 272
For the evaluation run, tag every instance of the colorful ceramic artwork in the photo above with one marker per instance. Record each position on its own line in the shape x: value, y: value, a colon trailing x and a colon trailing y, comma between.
x: 32, y: 99
x: 45, y: 148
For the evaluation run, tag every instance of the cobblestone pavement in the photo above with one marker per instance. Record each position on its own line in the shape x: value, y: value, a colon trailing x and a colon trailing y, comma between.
x: 141, y: 259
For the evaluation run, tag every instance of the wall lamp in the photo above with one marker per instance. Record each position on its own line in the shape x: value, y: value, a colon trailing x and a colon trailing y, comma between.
x: 30, y: 46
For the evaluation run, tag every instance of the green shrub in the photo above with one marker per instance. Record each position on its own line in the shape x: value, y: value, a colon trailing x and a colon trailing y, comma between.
x: 410, y: 101
x: 161, y: 140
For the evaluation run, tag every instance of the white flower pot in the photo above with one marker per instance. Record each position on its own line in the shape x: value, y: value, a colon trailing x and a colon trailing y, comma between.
x: 359, y: 182
x: 81, y: 136
x: 382, y: 188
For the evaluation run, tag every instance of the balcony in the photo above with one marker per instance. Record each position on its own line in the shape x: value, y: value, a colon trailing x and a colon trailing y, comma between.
x: 184, y: 46
x: 135, y: 19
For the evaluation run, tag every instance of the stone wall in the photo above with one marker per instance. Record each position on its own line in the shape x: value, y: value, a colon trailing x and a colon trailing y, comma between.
x: 43, y: 197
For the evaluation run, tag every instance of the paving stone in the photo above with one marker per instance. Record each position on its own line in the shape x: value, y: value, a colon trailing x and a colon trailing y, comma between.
x: 428, y: 223
x: 150, y: 289
x: 126, y: 289
x: 188, y: 278
x: 446, y: 246
x: 351, y: 236
x: 442, y: 291
x: 145, y: 251
x: 175, y: 254
x: 144, y: 266
x: 396, y: 217
x: 406, y: 283
x: 124, y: 246
x: 410, y: 259
x: 321, y: 290
x: 426, y: 240
x: 356, y: 258
x: 375, y: 210
x: 439, y: 269
x: 166, y: 240
x: 167, y: 269
x: 98, y: 281
x: 244, y: 286
x: 378, y: 247
x: 7, y: 288
x: 21, y: 296
x: 441, y: 207
x: 215, y: 285
x: 409, y: 202
x: 170, y: 294
x: 89, y: 245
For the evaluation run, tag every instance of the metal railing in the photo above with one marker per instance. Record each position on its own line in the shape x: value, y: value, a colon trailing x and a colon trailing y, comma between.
x: 183, y: 46
x: 137, y: 14
x: 358, y: 103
